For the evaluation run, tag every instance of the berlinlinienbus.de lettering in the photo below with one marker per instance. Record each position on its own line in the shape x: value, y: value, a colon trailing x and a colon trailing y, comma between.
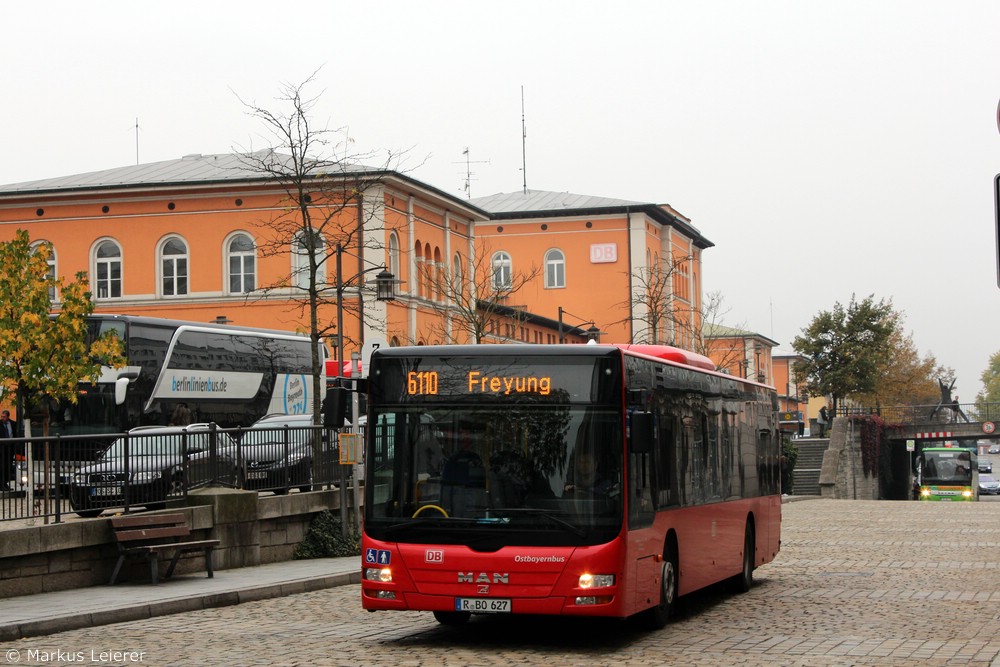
x: 197, y: 384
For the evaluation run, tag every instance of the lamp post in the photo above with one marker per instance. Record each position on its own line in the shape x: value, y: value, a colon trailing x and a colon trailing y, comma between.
x: 593, y: 334
x: 385, y: 290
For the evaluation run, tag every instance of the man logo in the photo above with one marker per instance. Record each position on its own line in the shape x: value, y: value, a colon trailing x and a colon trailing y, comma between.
x: 483, y: 578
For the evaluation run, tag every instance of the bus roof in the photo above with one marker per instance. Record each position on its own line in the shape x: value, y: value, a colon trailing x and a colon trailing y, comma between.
x: 160, y: 321
x: 664, y: 353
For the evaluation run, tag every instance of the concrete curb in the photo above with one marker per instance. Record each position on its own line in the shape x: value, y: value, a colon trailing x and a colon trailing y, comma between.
x: 76, y: 620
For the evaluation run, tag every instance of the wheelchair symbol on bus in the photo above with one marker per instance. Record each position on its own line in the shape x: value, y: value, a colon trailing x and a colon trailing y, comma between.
x: 377, y: 556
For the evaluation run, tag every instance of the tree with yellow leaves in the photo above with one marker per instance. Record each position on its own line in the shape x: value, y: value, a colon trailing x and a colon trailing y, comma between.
x: 44, y: 351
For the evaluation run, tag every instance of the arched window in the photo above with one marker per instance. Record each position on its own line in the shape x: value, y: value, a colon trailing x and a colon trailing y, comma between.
x: 429, y: 278
x: 502, y: 271
x: 418, y: 254
x: 174, y: 267
x: 457, y: 278
x: 440, y: 286
x: 241, y: 260
x: 108, y: 270
x: 555, y: 268
x: 51, y: 261
x: 394, y: 255
x: 301, y: 247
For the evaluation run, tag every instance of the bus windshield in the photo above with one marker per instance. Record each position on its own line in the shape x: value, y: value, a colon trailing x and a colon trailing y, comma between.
x: 545, y: 462
x: 950, y: 466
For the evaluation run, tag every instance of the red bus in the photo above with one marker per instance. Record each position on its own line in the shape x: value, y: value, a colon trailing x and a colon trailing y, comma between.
x: 479, y: 499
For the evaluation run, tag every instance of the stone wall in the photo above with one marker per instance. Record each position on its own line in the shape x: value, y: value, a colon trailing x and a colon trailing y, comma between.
x: 843, y: 474
x: 253, y: 530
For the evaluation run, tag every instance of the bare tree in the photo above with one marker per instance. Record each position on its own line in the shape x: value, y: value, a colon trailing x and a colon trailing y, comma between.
x: 653, y: 305
x: 326, y: 213
x: 474, y: 298
x: 671, y: 321
x: 711, y: 326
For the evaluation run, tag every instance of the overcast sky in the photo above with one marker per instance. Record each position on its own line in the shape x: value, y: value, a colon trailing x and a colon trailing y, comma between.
x: 827, y: 149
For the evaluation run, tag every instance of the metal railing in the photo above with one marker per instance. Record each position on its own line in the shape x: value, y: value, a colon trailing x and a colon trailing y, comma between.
x: 928, y: 414
x: 50, y: 477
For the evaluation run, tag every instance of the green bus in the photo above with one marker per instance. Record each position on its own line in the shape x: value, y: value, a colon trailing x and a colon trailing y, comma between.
x: 948, y: 473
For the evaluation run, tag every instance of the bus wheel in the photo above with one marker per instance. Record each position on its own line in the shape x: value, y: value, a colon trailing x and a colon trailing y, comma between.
x: 452, y: 617
x: 659, y: 616
x: 742, y: 582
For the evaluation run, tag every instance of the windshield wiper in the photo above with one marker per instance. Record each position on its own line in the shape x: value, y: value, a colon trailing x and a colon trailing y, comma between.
x: 551, y: 515
x: 423, y: 522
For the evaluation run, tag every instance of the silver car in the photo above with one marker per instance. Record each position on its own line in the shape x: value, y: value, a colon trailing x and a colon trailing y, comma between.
x: 988, y: 485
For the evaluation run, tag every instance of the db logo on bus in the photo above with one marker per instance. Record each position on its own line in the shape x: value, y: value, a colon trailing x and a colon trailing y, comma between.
x: 434, y: 556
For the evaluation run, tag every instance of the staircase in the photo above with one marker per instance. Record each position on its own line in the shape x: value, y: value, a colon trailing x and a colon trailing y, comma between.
x: 805, y: 476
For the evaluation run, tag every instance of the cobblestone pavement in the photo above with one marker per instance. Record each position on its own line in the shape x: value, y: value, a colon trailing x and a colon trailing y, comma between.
x: 856, y: 583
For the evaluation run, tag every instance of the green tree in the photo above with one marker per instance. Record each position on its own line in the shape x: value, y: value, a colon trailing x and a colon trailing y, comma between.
x: 846, y: 349
x: 991, y: 381
x: 46, y: 356
x: 910, y: 379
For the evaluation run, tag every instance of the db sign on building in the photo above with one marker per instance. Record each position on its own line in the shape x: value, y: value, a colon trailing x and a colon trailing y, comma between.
x: 603, y: 253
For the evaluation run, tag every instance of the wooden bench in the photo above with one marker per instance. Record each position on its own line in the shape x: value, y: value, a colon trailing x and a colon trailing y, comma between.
x: 150, y: 535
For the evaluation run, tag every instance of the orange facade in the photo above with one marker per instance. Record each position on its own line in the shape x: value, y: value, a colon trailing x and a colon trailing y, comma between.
x: 605, y: 265
x: 195, y: 284
x: 211, y: 248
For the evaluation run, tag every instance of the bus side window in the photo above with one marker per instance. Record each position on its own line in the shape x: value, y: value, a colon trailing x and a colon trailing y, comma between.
x: 665, y: 459
x: 641, y: 510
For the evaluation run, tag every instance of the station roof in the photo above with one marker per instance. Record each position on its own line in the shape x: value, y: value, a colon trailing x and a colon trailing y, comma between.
x: 210, y: 170
x: 547, y: 204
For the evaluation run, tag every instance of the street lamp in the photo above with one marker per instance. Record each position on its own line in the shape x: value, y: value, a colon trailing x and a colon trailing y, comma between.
x: 385, y: 290
x: 592, y: 334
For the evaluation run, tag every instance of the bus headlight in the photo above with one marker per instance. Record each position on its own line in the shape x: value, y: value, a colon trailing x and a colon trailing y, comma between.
x: 380, y: 574
x: 925, y: 492
x: 967, y: 493
x: 596, y: 580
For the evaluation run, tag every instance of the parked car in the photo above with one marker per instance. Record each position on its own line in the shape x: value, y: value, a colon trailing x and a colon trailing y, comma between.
x: 994, y: 449
x: 988, y: 485
x: 270, y: 457
x: 147, y: 466
x: 985, y: 465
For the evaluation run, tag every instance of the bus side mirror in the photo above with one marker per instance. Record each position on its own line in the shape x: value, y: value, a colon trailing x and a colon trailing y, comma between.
x: 335, y: 406
x: 121, y: 389
x: 121, y: 386
x: 641, y: 432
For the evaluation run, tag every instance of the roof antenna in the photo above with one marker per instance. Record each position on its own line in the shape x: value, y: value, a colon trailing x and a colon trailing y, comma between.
x: 524, y: 135
x: 137, y: 140
x: 469, y: 172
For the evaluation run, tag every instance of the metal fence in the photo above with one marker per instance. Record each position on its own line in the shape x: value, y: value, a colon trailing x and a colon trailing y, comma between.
x: 48, y: 478
x: 928, y: 414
